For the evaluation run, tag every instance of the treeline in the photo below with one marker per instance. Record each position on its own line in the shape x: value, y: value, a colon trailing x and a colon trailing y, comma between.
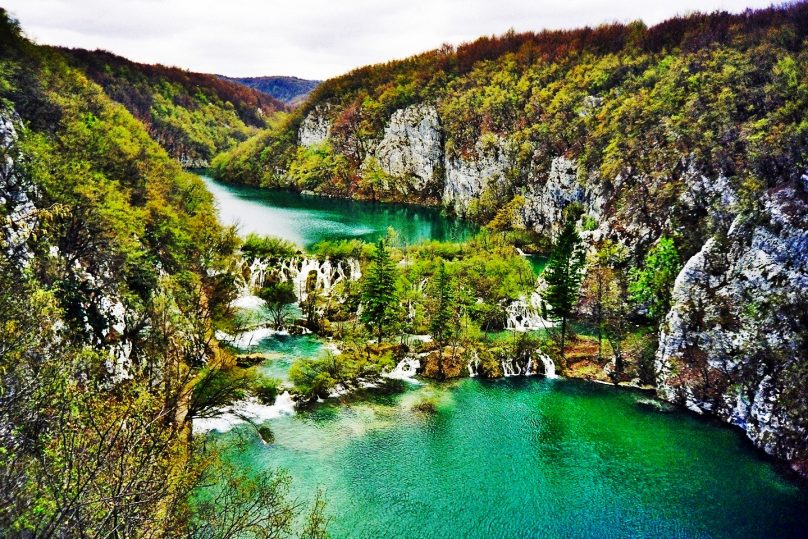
x: 114, y: 275
x: 193, y: 115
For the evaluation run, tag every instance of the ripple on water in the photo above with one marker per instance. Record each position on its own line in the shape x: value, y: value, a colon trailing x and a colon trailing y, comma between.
x: 527, y: 458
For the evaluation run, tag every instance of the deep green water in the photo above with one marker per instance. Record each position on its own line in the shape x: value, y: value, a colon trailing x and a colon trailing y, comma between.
x: 527, y: 458
x: 305, y: 220
x: 509, y: 458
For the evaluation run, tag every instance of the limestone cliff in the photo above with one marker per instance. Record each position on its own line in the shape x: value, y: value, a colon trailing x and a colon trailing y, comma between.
x: 412, y: 147
x: 735, y: 343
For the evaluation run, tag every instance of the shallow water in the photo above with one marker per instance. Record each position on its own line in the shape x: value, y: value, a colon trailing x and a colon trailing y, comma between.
x: 527, y: 458
x: 306, y: 220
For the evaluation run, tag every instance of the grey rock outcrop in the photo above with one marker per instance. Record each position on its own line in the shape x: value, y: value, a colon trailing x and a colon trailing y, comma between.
x: 315, y: 128
x: 544, y: 204
x: 468, y: 176
x: 15, y: 194
x: 735, y: 343
x: 411, y: 146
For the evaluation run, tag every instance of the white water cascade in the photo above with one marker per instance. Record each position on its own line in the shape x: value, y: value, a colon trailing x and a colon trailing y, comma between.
x: 296, y: 269
x: 525, y: 314
x: 406, y: 369
x: 549, y: 366
x: 248, y: 410
x: 517, y: 368
x: 473, y: 365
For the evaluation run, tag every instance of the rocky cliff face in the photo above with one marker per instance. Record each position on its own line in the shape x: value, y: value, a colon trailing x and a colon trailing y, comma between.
x: 15, y: 193
x: 104, y: 313
x: 315, y: 128
x: 544, y: 204
x: 735, y: 343
x: 412, y: 147
x: 468, y: 176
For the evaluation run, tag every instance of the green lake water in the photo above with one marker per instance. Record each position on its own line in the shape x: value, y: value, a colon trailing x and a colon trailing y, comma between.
x: 526, y: 458
x: 305, y: 220
x: 509, y: 458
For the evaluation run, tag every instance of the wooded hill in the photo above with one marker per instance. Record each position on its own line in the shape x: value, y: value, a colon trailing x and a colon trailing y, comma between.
x: 193, y: 116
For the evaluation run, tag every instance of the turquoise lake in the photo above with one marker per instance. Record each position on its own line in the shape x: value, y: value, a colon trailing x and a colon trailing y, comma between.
x: 526, y: 457
x: 306, y: 219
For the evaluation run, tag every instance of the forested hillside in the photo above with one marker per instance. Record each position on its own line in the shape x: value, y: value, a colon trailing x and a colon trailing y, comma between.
x: 114, y: 274
x: 193, y: 116
x: 683, y: 145
x: 290, y: 90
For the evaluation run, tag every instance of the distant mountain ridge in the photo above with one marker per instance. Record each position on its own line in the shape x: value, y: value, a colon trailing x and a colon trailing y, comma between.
x: 193, y: 116
x: 290, y: 90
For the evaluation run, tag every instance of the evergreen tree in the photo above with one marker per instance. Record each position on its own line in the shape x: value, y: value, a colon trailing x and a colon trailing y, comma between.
x: 563, y: 276
x: 442, y: 310
x: 379, y: 297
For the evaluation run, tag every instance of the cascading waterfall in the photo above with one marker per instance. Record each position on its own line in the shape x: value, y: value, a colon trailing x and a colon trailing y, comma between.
x: 515, y: 367
x: 525, y: 314
x: 549, y: 366
x: 296, y: 270
x: 248, y: 410
x: 406, y: 369
x: 473, y: 364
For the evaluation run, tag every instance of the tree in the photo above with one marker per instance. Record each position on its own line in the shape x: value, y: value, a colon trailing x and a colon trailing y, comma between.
x: 240, y: 505
x: 563, y: 277
x: 278, y: 295
x: 651, y: 286
x: 309, y: 305
x: 605, y: 299
x: 442, y: 310
x: 379, y: 297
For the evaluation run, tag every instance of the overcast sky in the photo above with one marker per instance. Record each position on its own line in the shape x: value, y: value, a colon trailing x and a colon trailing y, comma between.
x: 312, y: 38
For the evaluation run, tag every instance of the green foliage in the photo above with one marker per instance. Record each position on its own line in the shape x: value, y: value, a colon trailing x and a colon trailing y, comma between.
x: 239, y: 504
x: 317, y: 165
x: 266, y: 388
x: 342, y: 249
x: 443, y: 305
x: 379, y: 297
x: 216, y: 388
x: 316, y: 377
x: 127, y: 271
x: 267, y: 247
x: 563, y: 276
x: 278, y: 295
x: 627, y: 102
x: 194, y: 116
x: 651, y: 285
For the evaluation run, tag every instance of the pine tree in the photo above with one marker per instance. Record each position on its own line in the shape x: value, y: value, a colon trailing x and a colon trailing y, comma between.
x: 379, y: 297
x: 563, y: 276
x: 442, y: 311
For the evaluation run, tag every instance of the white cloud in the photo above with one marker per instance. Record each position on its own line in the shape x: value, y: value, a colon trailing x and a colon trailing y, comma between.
x: 312, y: 38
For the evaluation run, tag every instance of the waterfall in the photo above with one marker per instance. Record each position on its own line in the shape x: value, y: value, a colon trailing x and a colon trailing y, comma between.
x: 514, y: 368
x: 525, y: 314
x: 406, y: 369
x: 507, y: 369
x: 248, y: 410
x: 549, y: 366
x: 473, y: 364
x: 296, y: 270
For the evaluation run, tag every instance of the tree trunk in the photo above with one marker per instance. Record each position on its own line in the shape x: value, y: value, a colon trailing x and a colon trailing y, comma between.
x: 563, y: 343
